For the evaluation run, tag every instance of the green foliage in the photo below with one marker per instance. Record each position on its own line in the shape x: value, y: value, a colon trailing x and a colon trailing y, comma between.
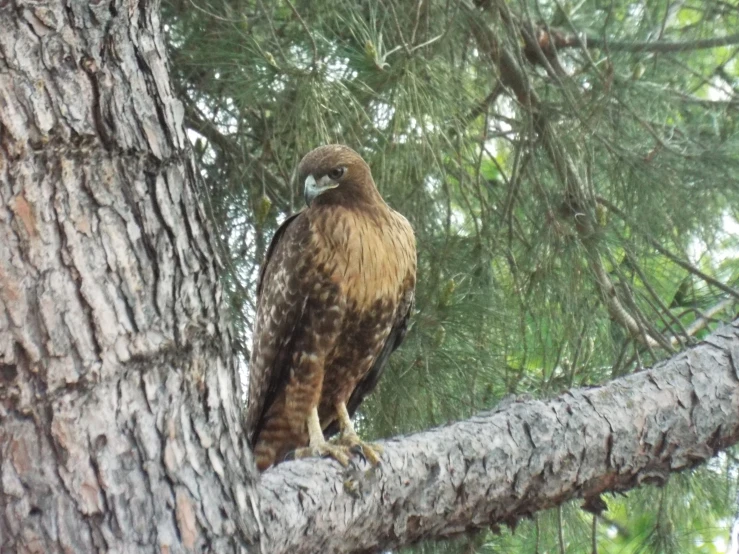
x: 511, y: 245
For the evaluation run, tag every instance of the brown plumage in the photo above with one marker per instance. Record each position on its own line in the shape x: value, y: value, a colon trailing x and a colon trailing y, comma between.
x: 334, y: 297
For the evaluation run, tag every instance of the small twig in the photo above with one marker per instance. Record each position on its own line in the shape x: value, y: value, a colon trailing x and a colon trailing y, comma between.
x: 398, y: 28
x: 594, y: 536
x: 211, y: 132
x: 614, y: 305
x: 561, y: 41
x: 675, y: 338
x: 645, y: 325
x: 662, y: 46
x: 705, y: 317
x: 214, y: 16
x: 307, y: 30
x: 616, y: 368
x: 686, y: 97
x: 482, y: 107
x: 560, y: 530
x: 429, y: 41
x: 417, y: 22
x: 272, y: 29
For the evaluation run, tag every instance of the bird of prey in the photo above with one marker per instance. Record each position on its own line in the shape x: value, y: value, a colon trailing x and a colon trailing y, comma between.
x: 333, y: 301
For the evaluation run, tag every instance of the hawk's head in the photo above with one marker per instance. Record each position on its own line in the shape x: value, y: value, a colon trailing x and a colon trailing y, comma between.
x: 336, y: 174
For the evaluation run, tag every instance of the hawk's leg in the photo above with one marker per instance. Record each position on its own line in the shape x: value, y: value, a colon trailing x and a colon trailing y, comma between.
x: 318, y: 447
x: 349, y: 437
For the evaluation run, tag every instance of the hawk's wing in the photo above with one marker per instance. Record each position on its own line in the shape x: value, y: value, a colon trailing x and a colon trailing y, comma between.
x: 271, y: 249
x: 280, y: 307
x: 393, y: 341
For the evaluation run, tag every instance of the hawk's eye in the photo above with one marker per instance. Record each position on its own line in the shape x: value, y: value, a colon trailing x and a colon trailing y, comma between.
x: 336, y: 173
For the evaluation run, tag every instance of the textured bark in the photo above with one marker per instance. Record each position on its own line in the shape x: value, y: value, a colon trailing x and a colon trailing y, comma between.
x: 119, y: 399
x: 501, y: 466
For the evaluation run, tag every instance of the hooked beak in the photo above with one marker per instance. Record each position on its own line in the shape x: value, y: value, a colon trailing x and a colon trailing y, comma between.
x: 313, y: 188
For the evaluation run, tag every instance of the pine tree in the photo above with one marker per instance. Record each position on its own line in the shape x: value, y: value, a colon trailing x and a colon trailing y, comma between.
x: 570, y: 169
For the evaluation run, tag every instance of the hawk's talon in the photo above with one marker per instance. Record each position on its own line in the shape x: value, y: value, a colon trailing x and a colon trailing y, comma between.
x: 369, y: 452
x: 358, y: 451
x: 323, y: 450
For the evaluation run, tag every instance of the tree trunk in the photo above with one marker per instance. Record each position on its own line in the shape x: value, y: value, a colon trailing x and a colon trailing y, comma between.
x: 120, y: 400
x: 121, y: 406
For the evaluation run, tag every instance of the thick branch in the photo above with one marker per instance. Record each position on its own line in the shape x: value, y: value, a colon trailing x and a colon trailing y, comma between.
x: 498, y: 467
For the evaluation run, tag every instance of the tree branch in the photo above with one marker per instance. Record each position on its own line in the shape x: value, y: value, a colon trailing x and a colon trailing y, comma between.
x: 500, y: 466
x: 551, y: 38
x: 210, y: 131
x: 576, y: 191
x: 661, y: 46
x: 665, y: 252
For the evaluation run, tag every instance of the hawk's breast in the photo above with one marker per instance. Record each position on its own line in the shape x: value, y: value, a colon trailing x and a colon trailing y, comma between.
x: 368, y: 255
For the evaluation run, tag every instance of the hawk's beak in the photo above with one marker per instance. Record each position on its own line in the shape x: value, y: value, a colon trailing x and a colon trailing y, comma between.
x: 313, y: 188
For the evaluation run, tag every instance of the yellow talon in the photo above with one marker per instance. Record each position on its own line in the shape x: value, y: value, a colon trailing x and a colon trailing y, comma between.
x: 340, y: 450
x: 371, y: 452
x: 317, y: 446
x: 324, y: 450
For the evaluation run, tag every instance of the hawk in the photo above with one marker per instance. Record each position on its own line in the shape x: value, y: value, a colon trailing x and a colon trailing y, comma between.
x: 333, y: 300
